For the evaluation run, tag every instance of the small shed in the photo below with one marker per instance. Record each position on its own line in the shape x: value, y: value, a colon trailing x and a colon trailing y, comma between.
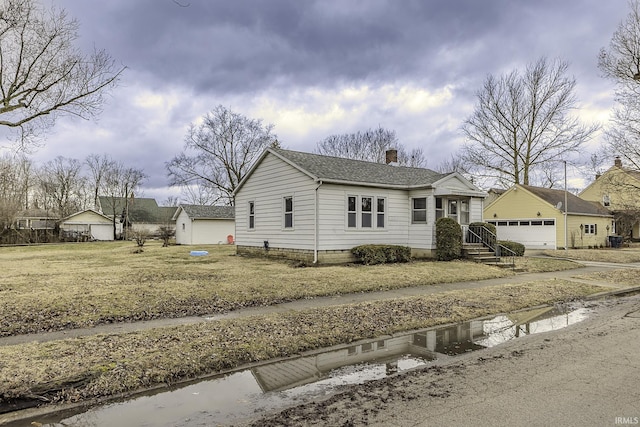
x: 200, y: 224
x: 86, y: 225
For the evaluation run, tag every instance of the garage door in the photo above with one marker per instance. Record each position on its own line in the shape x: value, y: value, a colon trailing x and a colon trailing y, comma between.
x: 532, y: 233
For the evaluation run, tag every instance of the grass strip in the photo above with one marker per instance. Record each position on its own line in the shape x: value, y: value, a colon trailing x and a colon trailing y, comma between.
x: 615, y: 255
x: 626, y: 276
x: 103, y: 365
x: 49, y: 288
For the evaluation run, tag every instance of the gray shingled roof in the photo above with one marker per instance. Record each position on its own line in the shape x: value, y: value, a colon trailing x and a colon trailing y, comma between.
x: 575, y: 203
x: 209, y: 212
x: 141, y: 209
x: 338, y: 169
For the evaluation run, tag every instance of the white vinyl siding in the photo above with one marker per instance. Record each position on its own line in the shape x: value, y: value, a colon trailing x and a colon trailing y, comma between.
x: 334, y: 232
x: 268, y: 185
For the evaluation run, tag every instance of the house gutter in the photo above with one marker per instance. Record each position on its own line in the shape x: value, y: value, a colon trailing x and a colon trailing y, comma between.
x: 317, y: 227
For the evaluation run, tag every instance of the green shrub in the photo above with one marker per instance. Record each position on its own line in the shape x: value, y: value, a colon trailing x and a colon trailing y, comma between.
x: 448, y: 239
x: 516, y: 247
x: 381, y: 254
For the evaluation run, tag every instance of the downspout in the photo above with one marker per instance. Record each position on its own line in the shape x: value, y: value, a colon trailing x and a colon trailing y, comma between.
x: 317, y: 227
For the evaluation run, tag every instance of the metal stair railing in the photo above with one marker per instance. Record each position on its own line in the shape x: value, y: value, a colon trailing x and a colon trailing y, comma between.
x: 490, y: 240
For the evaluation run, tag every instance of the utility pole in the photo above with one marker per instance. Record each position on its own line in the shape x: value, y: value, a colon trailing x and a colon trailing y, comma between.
x: 566, y: 231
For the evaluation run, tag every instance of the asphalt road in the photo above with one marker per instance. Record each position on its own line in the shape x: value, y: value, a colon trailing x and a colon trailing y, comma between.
x: 587, y: 374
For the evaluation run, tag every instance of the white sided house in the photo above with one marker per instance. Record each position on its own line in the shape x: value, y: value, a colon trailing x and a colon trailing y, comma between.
x: 200, y: 225
x: 316, y: 208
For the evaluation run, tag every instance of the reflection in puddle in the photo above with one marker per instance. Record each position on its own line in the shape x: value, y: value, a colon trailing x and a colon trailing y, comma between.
x: 229, y: 399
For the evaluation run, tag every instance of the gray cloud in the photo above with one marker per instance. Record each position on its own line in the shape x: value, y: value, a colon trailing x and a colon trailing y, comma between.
x: 234, y: 52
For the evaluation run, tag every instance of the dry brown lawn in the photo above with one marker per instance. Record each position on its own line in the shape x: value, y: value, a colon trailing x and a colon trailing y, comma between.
x: 626, y: 277
x: 44, y: 288
x: 619, y: 255
x: 104, y: 365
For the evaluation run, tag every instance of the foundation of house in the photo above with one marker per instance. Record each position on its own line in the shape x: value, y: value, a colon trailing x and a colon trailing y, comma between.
x: 338, y: 256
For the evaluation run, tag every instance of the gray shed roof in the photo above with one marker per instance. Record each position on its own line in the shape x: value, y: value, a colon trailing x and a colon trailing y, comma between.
x: 209, y: 212
x: 575, y: 204
x: 338, y: 169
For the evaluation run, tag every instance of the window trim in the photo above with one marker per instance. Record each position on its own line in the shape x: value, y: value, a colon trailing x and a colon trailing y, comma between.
x: 286, y: 213
x: 251, y: 215
x: 369, y: 212
x: 382, y: 214
x: 358, y: 214
x: 353, y: 212
x: 414, y: 210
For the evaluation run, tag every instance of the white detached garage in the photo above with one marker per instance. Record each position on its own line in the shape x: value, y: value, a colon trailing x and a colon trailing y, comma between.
x: 87, y: 225
x: 204, y: 225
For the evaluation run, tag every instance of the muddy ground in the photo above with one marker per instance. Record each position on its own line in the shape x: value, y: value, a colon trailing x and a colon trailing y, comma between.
x: 587, y: 374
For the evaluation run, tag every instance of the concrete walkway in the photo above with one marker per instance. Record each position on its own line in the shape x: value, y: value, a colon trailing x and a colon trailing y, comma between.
x: 116, y: 328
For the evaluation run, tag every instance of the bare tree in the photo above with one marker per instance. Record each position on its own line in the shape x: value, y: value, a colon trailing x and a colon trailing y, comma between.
x: 620, y: 63
x: 370, y: 145
x: 43, y: 75
x: 61, y: 186
x: 118, y: 185
x: 218, y: 153
x: 15, y: 184
x: 99, y: 166
x: 523, y: 122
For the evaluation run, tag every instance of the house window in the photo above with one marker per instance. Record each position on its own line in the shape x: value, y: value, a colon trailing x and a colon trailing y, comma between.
x: 605, y: 200
x: 183, y: 226
x: 288, y: 212
x: 464, y: 212
x: 439, y: 208
x: 380, y: 213
x: 252, y: 216
x: 367, y: 212
x: 590, y: 229
x: 351, y: 212
x: 419, y: 210
x: 453, y: 210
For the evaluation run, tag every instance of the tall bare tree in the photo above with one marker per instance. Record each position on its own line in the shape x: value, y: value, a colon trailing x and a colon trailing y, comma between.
x: 99, y: 166
x: 118, y: 186
x: 16, y: 176
x: 620, y: 63
x: 43, y: 74
x: 522, y: 122
x: 218, y: 152
x: 62, y: 186
x: 370, y: 145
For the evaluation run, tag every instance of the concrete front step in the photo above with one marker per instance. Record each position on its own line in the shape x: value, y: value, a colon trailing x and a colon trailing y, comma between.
x: 482, y: 254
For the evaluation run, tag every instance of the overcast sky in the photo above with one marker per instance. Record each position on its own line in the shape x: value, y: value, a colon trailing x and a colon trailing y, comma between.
x: 317, y: 68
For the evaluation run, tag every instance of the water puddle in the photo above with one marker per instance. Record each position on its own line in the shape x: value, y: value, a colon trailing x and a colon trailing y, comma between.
x: 231, y: 398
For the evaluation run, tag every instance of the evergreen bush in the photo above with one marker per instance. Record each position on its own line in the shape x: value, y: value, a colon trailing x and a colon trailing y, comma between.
x: 516, y: 247
x: 381, y: 254
x: 448, y: 239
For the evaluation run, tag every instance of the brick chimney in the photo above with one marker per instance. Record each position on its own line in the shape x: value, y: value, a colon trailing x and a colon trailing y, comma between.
x: 617, y: 162
x: 391, y: 157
